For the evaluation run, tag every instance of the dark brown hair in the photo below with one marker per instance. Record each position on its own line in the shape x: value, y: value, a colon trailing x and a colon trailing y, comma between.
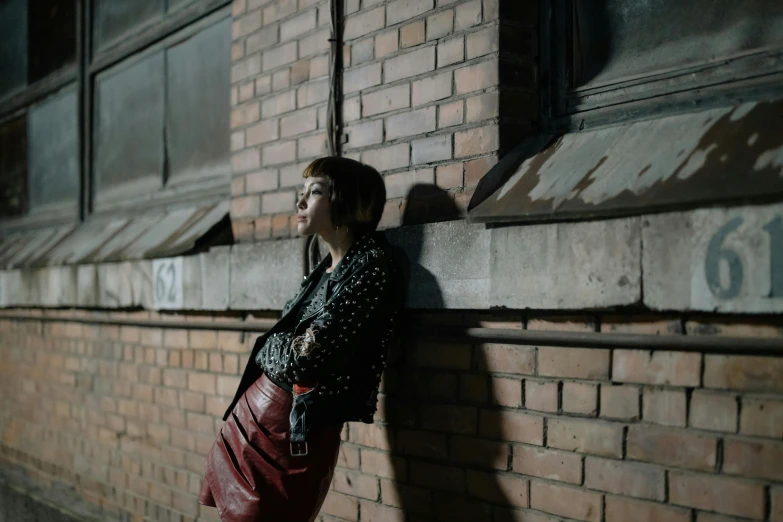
x: 358, y: 193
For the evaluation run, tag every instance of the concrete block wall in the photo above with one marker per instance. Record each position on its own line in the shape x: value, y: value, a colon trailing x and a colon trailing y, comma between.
x: 425, y: 83
x: 123, y: 416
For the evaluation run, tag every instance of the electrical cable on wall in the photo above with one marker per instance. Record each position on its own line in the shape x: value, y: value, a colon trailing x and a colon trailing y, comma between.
x: 312, y: 254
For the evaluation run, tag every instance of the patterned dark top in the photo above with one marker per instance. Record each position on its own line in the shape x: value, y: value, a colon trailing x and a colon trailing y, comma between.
x: 339, y: 343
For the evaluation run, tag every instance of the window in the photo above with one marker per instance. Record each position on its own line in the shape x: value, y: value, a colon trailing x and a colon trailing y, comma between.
x: 126, y: 98
x: 621, y: 59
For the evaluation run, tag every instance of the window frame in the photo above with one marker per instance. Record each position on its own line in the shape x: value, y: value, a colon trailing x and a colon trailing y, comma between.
x: 647, y: 96
x: 179, y: 23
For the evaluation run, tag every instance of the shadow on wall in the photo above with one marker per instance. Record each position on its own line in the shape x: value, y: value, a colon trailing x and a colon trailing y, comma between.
x: 433, y: 396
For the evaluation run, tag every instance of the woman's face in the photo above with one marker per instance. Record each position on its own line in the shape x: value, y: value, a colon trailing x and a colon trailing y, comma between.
x: 313, y: 207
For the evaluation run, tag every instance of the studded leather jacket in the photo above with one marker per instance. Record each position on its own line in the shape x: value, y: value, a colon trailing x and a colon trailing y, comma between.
x: 339, y: 347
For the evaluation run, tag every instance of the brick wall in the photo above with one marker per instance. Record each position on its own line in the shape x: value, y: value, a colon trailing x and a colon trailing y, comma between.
x: 125, y: 415
x: 424, y: 85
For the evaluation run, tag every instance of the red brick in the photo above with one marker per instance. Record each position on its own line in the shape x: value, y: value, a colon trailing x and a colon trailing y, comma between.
x: 663, y: 406
x: 385, y: 100
x: 373, y: 511
x: 238, y: 7
x: 261, y: 40
x: 473, y: 389
x: 440, y: 24
x: 382, y: 464
x: 174, y: 378
x: 246, y: 68
x: 319, y: 67
x: 483, y: 107
x: 365, y: 23
x: 281, y: 80
x: 621, y: 509
x: 413, y: 499
x: 620, y: 402
x: 498, y: 488
x: 245, y: 206
x: 482, y: 42
x: 246, y: 91
x: 237, y: 143
x: 549, y: 464
x: 281, y: 226
x: 541, y: 395
x: 279, y: 56
x: 422, y: 444
x: 512, y: 426
x: 279, y: 104
x: 263, y: 85
x: 643, y: 366
x: 371, y: 435
x: 279, y: 9
x: 280, y: 152
x: 479, y: 452
x: 476, y: 141
x: 412, y: 34
x: 476, y: 77
x: 389, y: 157
x: 244, y: 115
x: 311, y: 146
x: 762, y: 417
x: 585, y: 436
x: 348, y: 457
x: 671, y: 447
x: 711, y: 411
x: 453, y: 419
x: 451, y: 114
x: 410, y: 123
x: 759, y: 374
x: 386, y: 43
x: 298, y: 25
x: 398, y: 185
x: 758, y: 459
x: 246, y: 24
x: 364, y: 134
x: 776, y: 495
x: 261, y: 181
x: 581, y: 505
x: 400, y: 10
x: 449, y: 176
x: 342, y: 506
x: 435, y: 386
x: 436, y: 87
x: 477, y: 168
x: 577, y: 363
x: 392, y: 217
x: 360, y: 78
x: 504, y: 358
x: 431, y: 149
x: 435, y: 476
x: 581, y: 398
x: 439, y: 355
x: 356, y: 484
x: 468, y: 14
x: 362, y: 51
x: 713, y: 493
x: 409, y: 64
x: 312, y: 93
x: 451, y: 51
x: 625, y: 478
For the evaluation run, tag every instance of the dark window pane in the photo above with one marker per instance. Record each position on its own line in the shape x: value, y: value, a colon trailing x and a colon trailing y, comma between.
x: 128, y: 134
x: 13, y: 168
x: 54, y: 151
x: 52, y: 42
x: 13, y: 45
x: 117, y: 18
x: 619, y: 39
x: 198, y: 75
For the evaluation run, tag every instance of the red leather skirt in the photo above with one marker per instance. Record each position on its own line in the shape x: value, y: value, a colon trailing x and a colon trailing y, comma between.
x: 250, y: 475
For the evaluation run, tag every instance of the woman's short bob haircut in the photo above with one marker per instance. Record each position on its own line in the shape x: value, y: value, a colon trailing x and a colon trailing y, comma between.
x: 358, y: 193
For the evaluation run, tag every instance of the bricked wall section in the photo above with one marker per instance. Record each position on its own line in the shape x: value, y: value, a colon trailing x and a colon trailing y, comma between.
x: 425, y: 84
x: 125, y: 415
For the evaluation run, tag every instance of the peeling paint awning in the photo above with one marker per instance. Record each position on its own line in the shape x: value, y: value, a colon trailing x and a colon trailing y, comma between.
x: 731, y: 154
x: 154, y: 234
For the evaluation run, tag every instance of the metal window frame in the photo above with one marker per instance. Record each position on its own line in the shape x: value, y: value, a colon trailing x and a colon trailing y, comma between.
x: 726, y: 81
x: 179, y: 24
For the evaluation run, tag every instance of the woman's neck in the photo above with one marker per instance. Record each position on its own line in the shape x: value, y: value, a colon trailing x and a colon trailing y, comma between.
x: 338, y: 247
